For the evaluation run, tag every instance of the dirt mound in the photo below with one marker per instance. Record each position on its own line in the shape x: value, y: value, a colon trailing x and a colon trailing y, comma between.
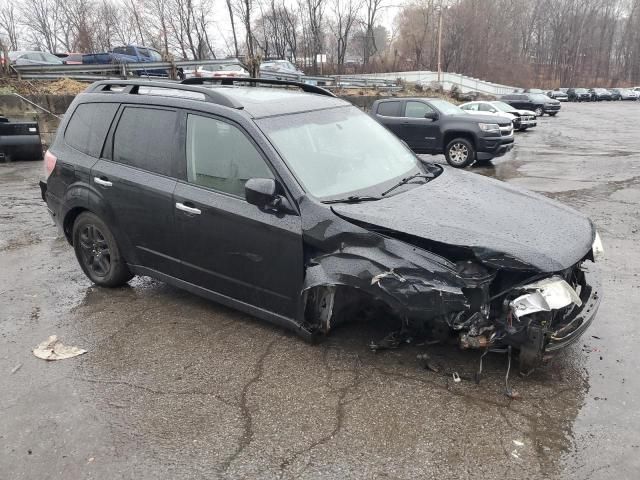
x: 63, y: 86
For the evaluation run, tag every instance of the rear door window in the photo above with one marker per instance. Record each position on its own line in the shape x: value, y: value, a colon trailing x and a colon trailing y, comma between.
x: 389, y: 109
x: 221, y: 157
x: 146, y: 138
x: 88, y: 127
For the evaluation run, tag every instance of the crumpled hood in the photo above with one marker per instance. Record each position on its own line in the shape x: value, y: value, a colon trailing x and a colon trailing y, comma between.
x: 504, y: 226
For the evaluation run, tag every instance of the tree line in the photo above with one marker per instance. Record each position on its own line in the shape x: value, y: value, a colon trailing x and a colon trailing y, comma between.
x: 518, y: 42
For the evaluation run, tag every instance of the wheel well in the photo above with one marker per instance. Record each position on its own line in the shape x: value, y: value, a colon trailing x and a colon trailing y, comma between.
x: 449, y: 136
x: 328, y: 307
x: 69, y: 220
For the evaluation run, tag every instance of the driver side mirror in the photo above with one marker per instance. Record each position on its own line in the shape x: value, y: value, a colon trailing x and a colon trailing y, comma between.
x: 493, y: 110
x: 431, y: 115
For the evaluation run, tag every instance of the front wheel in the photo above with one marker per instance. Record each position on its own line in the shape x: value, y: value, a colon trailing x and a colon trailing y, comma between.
x: 98, y: 253
x: 553, y: 114
x: 460, y: 153
x: 539, y: 111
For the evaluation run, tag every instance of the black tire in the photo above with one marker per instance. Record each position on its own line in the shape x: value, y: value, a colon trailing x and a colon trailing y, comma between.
x: 460, y: 153
x: 553, y: 114
x: 98, y: 253
x: 539, y: 111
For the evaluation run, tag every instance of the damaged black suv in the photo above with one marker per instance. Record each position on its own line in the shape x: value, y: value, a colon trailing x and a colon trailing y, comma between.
x: 299, y: 208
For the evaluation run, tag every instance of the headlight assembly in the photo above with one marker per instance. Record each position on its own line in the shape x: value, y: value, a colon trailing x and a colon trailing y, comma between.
x: 489, y: 127
x: 597, y: 250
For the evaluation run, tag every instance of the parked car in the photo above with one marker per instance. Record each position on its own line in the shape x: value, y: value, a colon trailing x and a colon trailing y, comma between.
x: 275, y: 67
x: 19, y: 140
x: 435, y: 126
x: 521, y: 119
x: 28, y: 57
x: 302, y: 210
x: 599, y: 94
x: 70, y: 58
x: 615, y: 93
x: 536, y: 102
x: 217, y: 70
x: 558, y: 95
x: 626, y: 93
x: 128, y: 54
x: 579, y: 95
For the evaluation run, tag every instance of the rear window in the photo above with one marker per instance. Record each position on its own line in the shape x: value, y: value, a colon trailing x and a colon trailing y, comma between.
x: 88, y: 127
x: 146, y: 138
x: 389, y: 109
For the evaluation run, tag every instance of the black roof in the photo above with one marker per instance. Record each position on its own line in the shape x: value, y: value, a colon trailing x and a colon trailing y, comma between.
x: 257, y: 101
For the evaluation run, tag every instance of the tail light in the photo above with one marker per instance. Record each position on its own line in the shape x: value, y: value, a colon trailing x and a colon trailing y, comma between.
x: 49, y: 162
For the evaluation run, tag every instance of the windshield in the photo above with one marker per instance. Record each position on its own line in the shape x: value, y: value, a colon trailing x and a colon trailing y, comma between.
x: 581, y: 90
x: 338, y: 151
x: 446, y: 108
x: 503, y: 107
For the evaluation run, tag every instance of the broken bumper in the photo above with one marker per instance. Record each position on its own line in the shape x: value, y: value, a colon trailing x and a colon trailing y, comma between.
x: 578, y: 321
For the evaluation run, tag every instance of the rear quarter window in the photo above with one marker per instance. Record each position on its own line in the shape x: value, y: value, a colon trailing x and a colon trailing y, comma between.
x: 88, y: 126
x: 389, y: 109
x: 146, y: 138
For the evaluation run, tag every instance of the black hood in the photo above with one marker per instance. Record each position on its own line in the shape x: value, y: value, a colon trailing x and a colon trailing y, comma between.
x: 502, y: 225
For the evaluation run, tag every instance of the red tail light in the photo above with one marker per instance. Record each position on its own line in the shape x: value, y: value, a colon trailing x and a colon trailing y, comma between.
x: 49, y: 162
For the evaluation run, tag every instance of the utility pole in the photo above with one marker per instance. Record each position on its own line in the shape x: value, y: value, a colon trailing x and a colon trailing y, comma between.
x: 440, y: 45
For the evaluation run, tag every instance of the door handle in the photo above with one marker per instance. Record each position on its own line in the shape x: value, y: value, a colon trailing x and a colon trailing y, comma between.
x: 104, y: 183
x: 188, y: 209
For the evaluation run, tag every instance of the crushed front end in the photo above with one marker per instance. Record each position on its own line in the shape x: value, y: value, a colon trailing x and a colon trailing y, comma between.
x: 536, y: 315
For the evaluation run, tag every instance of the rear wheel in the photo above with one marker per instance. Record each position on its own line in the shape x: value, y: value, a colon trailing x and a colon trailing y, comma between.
x: 98, y: 253
x: 460, y: 153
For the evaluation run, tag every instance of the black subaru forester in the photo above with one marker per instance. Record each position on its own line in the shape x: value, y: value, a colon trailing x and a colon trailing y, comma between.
x: 300, y: 209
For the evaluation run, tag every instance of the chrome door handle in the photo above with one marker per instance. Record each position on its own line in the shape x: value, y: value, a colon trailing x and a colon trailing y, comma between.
x: 185, y: 208
x: 104, y: 183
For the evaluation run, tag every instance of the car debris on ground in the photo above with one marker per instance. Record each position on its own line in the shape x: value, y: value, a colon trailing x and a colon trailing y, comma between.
x: 53, y: 349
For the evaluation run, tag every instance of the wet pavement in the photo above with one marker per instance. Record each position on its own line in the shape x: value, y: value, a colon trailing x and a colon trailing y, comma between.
x: 174, y: 386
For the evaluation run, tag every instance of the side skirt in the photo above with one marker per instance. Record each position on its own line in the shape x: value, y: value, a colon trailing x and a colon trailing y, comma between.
x: 274, y: 318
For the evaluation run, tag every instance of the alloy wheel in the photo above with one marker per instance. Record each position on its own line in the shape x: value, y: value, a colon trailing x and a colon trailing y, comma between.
x: 95, y: 250
x: 458, y: 153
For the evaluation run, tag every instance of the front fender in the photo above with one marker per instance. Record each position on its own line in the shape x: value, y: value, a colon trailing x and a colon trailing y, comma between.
x: 411, y: 281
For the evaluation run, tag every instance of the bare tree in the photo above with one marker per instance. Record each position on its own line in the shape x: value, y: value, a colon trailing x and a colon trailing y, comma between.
x: 9, y: 24
x: 345, y: 14
x: 372, y: 8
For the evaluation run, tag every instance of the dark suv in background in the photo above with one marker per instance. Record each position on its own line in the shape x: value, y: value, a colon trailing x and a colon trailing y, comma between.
x: 300, y: 209
x: 579, y: 95
x: 435, y: 126
x: 536, y: 102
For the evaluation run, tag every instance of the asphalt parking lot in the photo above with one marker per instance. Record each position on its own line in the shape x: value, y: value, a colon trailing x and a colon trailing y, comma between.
x: 174, y: 386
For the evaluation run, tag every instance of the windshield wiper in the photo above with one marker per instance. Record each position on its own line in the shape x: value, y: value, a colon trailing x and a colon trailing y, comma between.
x: 352, y: 199
x: 406, y: 180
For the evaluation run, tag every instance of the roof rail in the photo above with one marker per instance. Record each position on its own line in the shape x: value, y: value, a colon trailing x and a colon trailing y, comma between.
x: 265, y: 81
x: 133, y: 87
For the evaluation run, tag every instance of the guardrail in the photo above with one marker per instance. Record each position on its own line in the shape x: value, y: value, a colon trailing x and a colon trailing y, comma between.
x: 381, y: 81
x: 447, y: 80
x: 91, y: 72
